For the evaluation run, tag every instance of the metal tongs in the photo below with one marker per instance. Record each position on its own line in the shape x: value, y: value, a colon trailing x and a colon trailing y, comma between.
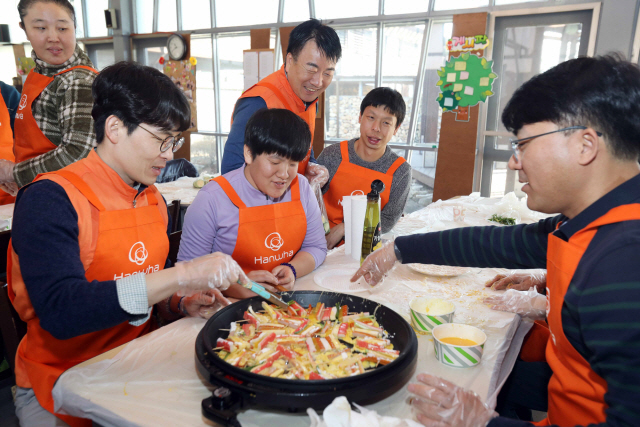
x: 260, y: 290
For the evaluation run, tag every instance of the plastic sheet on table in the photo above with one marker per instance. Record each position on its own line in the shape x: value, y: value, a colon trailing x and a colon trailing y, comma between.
x: 136, y: 371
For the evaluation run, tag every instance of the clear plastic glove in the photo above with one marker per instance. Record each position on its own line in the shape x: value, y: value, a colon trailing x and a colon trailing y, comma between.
x: 317, y: 174
x: 285, y: 276
x: 6, y: 171
x: 440, y: 403
x: 204, y: 304
x: 519, y: 281
x: 216, y: 270
x: 10, y: 188
x: 525, y: 303
x: 377, y: 264
x: 335, y: 236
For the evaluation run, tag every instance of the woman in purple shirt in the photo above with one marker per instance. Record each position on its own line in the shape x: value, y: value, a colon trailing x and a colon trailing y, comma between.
x: 263, y: 214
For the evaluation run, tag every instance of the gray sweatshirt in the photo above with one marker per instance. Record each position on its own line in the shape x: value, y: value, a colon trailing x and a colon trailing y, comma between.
x: 391, y: 213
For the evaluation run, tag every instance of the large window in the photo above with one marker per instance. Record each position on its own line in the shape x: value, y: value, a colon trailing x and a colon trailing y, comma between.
x: 144, y: 16
x: 400, y: 63
x: 96, y: 26
x: 399, y: 7
x: 196, y: 14
x: 296, y: 10
x: 400, y: 46
x: 102, y: 54
x: 326, y: 9
x: 354, y: 78
x: 245, y: 12
x: 167, y: 15
x: 459, y: 4
x: 205, y: 97
x: 230, y: 49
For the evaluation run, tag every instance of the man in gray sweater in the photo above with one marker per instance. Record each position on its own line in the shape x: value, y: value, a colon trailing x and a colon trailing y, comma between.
x: 354, y: 164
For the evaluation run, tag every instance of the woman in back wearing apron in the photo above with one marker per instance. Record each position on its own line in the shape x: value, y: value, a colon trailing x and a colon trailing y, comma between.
x: 263, y: 214
x: 53, y: 124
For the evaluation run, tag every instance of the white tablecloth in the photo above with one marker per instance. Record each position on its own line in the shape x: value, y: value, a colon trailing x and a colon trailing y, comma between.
x: 180, y: 189
x: 153, y: 380
x: 6, y: 216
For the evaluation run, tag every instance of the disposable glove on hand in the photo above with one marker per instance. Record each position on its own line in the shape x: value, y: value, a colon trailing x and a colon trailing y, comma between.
x: 216, y: 270
x: 317, y: 174
x: 377, y: 264
x: 440, y: 403
x: 6, y: 171
x: 204, y: 304
x: 525, y: 303
x: 519, y: 281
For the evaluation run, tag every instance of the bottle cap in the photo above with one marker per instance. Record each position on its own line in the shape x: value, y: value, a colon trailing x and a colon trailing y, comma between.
x: 377, y: 187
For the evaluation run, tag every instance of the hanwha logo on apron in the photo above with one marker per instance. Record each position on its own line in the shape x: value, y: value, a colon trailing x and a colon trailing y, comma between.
x: 274, y: 241
x: 138, y: 253
x: 23, y: 102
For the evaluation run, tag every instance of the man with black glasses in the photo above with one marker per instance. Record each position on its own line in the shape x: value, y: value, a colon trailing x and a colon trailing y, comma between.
x: 90, y: 245
x: 577, y: 149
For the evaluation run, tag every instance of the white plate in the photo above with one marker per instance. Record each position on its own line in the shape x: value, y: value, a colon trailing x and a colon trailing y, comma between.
x: 338, y: 280
x: 439, y: 270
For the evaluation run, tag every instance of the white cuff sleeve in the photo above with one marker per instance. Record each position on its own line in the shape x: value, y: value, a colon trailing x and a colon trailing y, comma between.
x: 132, y: 296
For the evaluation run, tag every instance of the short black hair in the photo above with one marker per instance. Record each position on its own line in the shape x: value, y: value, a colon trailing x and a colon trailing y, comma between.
x: 600, y: 92
x: 277, y: 131
x: 324, y: 36
x: 138, y: 94
x: 389, y: 98
x: 24, y: 5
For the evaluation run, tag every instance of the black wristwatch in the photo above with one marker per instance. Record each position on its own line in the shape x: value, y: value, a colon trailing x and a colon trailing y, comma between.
x: 397, y: 252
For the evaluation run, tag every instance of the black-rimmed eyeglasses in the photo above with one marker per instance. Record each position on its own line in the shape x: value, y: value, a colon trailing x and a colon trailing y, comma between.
x: 170, y: 141
x: 517, y: 144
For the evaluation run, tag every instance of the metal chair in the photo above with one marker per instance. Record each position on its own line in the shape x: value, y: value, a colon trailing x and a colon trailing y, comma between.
x: 174, y: 211
x: 174, y: 246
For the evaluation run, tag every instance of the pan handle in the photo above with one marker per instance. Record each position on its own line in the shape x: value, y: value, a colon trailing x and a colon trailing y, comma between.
x: 220, y: 407
x: 223, y: 417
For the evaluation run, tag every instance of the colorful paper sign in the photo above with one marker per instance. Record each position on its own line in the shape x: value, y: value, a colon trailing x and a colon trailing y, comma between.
x: 465, y: 81
x: 465, y: 44
x: 183, y: 74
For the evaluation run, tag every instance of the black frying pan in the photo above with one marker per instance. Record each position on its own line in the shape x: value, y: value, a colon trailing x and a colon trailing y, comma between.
x: 242, y: 389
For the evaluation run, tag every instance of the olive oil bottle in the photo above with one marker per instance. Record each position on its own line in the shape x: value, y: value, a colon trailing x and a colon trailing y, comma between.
x: 371, y: 235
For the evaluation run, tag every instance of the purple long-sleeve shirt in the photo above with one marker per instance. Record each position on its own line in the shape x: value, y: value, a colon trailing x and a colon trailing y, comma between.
x: 211, y: 222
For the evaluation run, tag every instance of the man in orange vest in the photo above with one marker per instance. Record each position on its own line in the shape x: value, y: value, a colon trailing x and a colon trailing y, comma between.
x: 353, y: 165
x: 312, y: 54
x: 578, y: 143
x: 90, y: 242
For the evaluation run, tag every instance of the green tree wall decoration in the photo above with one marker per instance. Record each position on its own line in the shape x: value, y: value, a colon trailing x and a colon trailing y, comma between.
x: 465, y: 81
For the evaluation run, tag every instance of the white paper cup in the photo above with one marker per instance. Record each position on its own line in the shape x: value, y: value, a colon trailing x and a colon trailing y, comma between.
x: 423, y: 321
x: 458, y: 356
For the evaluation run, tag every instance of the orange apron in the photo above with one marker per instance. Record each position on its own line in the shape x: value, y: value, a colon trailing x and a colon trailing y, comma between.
x: 576, y: 392
x: 6, y: 145
x: 29, y: 140
x: 129, y: 241
x: 535, y: 342
x: 349, y: 178
x: 267, y: 235
x: 277, y: 93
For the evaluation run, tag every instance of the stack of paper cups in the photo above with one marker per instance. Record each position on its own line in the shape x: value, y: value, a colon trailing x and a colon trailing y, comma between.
x: 358, y: 210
